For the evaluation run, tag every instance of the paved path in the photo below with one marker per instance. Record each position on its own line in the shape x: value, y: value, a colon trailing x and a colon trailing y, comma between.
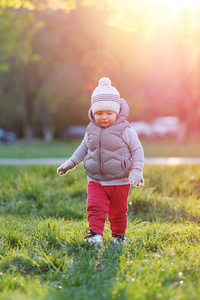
x: 167, y: 161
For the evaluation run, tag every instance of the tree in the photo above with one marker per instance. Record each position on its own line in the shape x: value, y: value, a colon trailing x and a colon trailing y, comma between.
x: 18, y: 62
x: 51, y: 60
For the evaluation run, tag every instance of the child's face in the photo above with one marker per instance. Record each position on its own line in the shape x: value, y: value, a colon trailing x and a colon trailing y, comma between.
x: 105, y: 118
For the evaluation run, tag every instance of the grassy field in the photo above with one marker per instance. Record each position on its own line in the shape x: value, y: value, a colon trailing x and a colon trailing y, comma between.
x: 39, y: 149
x: 60, y: 148
x: 43, y: 221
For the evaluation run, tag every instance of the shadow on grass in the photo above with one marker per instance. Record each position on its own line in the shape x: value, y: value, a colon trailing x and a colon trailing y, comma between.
x: 92, y: 272
x: 76, y: 269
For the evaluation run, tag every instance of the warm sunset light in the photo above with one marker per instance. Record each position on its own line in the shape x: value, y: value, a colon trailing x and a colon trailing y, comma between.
x: 124, y: 13
x: 177, y: 6
x: 150, y: 49
x: 180, y: 4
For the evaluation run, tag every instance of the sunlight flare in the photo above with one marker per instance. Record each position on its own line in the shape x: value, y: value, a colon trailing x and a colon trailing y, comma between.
x: 177, y: 6
x: 181, y: 4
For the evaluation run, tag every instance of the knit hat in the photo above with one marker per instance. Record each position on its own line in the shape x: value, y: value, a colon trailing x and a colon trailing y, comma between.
x: 105, y: 97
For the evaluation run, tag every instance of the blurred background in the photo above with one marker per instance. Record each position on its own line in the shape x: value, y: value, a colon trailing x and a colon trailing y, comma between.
x: 53, y: 53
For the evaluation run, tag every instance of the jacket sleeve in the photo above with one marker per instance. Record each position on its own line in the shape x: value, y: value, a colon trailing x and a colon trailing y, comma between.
x: 131, y: 139
x: 80, y: 153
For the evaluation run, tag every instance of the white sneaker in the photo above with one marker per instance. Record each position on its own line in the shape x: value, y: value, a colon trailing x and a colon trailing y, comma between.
x: 93, y: 238
x: 119, y: 239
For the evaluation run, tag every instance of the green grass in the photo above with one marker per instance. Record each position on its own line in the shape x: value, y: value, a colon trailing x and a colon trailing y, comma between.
x: 170, y: 147
x: 43, y: 221
x: 39, y: 149
x: 60, y: 148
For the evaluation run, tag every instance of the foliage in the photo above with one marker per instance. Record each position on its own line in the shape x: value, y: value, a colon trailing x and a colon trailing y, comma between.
x: 18, y: 60
x: 43, y: 221
x: 54, y: 52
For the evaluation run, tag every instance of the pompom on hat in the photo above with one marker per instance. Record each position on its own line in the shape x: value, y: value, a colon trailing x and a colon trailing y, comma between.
x: 105, y: 97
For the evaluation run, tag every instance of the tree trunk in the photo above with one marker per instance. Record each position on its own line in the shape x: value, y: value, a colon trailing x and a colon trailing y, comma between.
x: 48, y: 133
x: 27, y: 124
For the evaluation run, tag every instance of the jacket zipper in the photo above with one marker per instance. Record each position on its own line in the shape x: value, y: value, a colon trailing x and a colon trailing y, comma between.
x: 100, y: 158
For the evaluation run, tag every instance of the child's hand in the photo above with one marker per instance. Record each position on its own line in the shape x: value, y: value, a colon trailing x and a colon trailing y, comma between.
x: 135, y: 177
x: 64, y: 168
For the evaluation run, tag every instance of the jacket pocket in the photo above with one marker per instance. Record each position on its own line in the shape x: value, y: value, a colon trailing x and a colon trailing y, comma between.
x: 126, y: 164
x: 84, y: 162
x: 123, y: 163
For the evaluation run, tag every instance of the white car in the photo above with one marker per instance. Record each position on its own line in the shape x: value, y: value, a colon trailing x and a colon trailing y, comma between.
x: 166, y: 126
x: 142, y: 129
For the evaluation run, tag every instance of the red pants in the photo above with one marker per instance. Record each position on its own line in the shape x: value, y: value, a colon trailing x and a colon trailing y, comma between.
x: 111, y: 200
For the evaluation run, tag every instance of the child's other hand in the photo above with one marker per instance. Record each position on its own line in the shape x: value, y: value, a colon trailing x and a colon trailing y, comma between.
x: 135, y: 177
x: 64, y: 168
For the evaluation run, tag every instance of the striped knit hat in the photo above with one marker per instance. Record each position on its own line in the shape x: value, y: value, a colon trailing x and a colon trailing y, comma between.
x: 105, y: 97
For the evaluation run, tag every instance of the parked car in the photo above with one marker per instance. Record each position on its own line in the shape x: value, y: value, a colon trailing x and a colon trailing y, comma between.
x: 74, y: 132
x: 143, y: 129
x: 7, y: 137
x: 166, y: 126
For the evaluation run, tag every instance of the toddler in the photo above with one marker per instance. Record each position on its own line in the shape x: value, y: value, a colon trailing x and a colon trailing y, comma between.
x: 113, y: 158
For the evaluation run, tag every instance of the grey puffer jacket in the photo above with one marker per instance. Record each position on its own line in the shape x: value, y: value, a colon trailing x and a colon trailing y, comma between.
x: 108, y: 155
